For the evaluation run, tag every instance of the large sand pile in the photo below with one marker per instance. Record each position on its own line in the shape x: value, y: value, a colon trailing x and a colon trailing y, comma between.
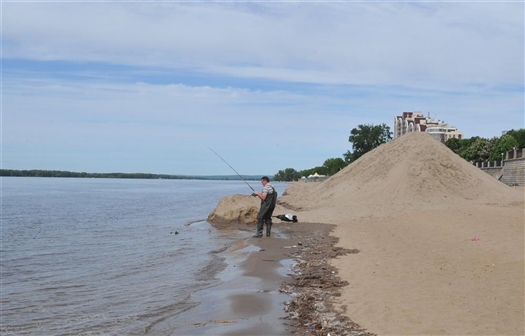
x: 442, y: 242
x: 412, y: 172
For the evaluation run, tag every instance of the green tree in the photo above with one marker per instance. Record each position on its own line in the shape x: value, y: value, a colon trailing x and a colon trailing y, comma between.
x: 465, y: 145
x: 479, y: 149
x: 454, y: 145
x: 501, y: 146
x: 279, y: 176
x: 365, y: 138
x: 289, y: 174
x: 334, y: 165
x: 307, y: 172
x: 519, y: 135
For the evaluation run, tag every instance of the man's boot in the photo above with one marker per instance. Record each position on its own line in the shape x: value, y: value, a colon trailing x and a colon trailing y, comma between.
x: 268, y: 229
x: 259, y: 233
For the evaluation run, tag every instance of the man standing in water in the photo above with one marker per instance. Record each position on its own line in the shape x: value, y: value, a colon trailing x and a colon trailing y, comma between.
x: 268, y: 198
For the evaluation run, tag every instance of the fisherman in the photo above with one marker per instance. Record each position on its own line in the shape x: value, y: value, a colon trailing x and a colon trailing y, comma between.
x: 268, y: 198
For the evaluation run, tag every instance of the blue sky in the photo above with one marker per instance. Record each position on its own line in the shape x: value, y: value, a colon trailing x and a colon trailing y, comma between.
x: 149, y: 86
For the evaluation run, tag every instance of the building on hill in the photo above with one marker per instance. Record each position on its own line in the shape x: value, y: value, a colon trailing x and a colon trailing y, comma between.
x: 417, y: 122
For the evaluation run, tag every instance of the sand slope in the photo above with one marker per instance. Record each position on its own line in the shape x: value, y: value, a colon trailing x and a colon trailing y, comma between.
x: 442, y: 242
x: 413, y: 171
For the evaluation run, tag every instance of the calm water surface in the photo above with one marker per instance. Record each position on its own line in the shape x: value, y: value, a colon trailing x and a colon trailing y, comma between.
x: 101, y: 257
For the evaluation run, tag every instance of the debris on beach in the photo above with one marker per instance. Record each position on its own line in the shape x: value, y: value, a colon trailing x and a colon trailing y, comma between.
x: 314, y: 285
x: 224, y: 321
x: 203, y: 324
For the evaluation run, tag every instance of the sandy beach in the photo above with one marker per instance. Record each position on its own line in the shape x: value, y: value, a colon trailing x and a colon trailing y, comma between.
x: 441, y: 243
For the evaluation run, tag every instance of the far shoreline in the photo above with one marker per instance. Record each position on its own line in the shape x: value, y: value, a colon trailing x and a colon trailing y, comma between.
x: 120, y: 175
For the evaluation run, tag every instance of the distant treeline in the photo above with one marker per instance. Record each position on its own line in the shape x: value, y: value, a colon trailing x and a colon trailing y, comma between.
x: 62, y: 173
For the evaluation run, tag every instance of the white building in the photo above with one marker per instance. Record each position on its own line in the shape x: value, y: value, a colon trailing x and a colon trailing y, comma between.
x: 417, y: 122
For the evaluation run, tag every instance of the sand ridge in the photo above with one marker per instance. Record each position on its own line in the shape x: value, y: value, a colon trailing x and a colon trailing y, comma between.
x: 414, y: 171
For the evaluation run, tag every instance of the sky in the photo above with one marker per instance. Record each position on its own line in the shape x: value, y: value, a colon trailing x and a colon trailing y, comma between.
x: 97, y: 86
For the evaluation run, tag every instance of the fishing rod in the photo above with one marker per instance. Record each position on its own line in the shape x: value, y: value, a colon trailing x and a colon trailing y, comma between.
x: 232, y: 169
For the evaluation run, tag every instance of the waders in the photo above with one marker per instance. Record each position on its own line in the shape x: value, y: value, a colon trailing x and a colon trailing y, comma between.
x: 265, y: 214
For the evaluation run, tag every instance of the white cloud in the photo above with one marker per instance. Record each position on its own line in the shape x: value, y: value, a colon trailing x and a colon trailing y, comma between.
x: 430, y: 45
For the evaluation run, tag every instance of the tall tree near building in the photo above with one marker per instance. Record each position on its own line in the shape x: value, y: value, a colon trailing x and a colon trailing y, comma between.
x: 503, y: 144
x: 455, y: 145
x: 479, y: 149
x: 366, y: 137
x: 519, y: 135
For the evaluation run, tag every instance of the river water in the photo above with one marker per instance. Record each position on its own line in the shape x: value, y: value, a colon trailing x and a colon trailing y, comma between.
x: 103, y: 257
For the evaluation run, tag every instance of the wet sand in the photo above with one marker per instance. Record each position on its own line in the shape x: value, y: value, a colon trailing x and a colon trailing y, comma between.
x: 249, y: 301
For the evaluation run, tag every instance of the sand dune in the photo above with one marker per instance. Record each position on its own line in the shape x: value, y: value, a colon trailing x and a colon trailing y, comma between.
x: 442, y: 242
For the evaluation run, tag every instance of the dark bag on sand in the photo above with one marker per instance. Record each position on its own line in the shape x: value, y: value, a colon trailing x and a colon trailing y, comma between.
x: 287, y: 219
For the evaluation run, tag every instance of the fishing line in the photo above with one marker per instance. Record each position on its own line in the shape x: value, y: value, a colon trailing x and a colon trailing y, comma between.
x: 232, y: 169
